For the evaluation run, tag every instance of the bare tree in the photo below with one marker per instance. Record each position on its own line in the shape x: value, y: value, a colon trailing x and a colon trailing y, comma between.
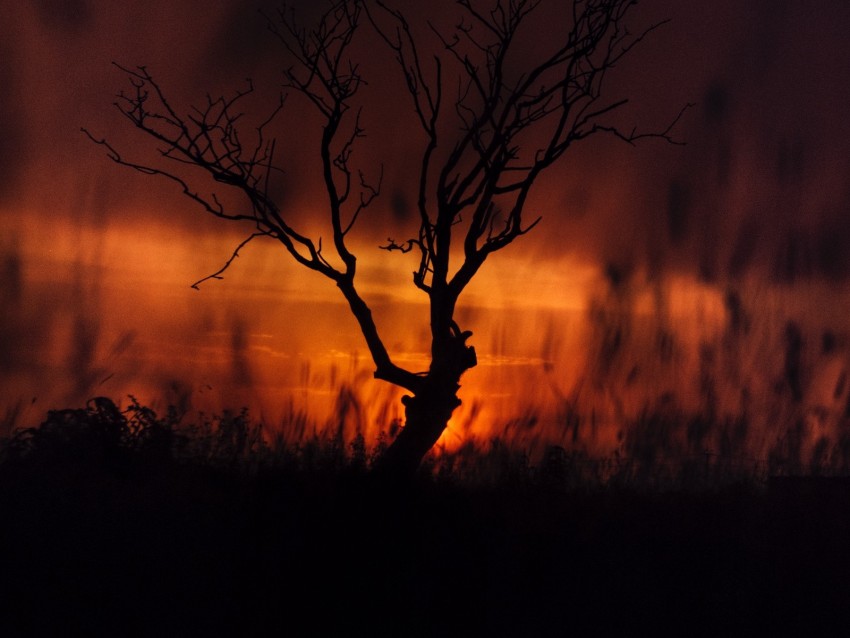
x: 505, y: 122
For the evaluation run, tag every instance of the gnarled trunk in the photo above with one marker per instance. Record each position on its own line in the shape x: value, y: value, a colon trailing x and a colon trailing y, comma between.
x: 428, y: 411
x: 426, y: 416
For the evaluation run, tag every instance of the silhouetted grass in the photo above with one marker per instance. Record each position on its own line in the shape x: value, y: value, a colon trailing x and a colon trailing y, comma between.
x: 124, y: 522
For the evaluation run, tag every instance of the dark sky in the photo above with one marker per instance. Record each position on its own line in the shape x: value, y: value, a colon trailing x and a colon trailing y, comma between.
x: 760, y: 180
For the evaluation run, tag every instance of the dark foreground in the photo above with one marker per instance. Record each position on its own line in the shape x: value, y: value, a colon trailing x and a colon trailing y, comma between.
x: 107, y: 541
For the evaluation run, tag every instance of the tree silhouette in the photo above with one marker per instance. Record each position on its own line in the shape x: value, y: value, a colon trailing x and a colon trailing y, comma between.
x: 506, y: 122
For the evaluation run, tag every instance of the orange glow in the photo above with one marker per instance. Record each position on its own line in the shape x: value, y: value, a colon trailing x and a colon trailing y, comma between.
x: 565, y: 356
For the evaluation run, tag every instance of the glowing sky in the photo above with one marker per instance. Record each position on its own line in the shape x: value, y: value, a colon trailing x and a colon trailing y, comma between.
x: 97, y: 261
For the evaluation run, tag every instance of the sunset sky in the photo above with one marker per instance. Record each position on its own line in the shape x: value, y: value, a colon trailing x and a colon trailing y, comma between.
x: 746, y: 225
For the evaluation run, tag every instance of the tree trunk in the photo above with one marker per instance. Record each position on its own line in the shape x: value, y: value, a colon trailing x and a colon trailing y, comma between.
x: 426, y: 416
x: 428, y: 411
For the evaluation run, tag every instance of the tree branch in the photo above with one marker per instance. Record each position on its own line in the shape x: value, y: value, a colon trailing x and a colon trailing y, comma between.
x: 211, y: 138
x: 493, y: 165
x: 218, y: 273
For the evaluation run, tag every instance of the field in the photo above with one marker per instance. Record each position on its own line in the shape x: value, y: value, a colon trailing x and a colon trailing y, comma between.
x: 127, y: 523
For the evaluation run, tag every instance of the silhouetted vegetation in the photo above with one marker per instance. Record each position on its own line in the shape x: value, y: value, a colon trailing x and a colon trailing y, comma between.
x: 496, y: 105
x: 124, y: 522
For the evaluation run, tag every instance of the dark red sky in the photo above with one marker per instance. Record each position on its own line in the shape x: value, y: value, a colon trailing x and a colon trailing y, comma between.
x: 764, y: 164
x: 759, y: 194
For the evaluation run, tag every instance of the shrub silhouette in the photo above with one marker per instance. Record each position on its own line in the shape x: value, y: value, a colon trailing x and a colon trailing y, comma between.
x: 100, y: 434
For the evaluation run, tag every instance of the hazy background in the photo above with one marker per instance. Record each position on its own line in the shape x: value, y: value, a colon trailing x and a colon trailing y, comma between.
x: 715, y: 273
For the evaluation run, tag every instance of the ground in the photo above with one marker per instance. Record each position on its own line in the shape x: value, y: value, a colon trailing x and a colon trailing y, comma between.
x: 163, y: 548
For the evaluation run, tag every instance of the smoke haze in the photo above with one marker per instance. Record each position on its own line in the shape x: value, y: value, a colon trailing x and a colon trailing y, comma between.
x: 654, y: 267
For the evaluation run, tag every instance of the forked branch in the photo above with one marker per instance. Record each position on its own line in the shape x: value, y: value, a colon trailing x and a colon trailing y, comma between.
x: 214, y: 139
x: 513, y: 124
